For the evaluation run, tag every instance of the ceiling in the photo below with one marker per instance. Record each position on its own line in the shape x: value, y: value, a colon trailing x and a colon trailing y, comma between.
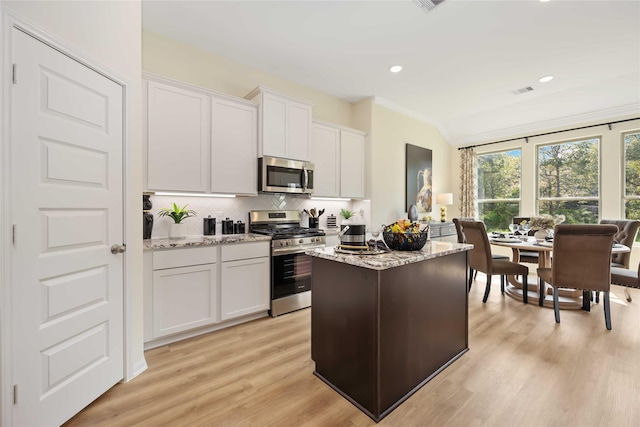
x: 462, y: 61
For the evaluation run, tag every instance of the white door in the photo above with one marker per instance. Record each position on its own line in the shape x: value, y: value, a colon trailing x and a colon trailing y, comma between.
x: 66, y: 286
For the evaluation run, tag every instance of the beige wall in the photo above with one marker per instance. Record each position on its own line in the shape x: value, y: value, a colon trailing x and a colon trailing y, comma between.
x: 170, y: 58
x: 391, y: 131
x: 108, y: 33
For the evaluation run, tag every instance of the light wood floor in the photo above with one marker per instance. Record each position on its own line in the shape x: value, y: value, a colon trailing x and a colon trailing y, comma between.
x: 522, y: 369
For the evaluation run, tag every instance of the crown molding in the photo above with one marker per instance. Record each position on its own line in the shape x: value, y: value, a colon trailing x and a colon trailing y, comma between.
x: 395, y: 107
x: 624, y: 111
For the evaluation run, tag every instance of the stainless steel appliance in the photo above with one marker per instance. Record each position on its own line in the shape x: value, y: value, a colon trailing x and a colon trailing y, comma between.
x: 277, y: 175
x: 290, y: 267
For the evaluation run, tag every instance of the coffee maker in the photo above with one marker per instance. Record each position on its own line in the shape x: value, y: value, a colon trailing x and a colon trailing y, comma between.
x: 147, y: 216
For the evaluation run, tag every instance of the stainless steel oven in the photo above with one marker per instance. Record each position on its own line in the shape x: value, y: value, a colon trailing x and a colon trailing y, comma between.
x: 290, y: 266
x: 277, y: 175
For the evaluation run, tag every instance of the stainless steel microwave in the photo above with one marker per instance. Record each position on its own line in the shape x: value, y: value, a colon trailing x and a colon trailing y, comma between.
x: 276, y: 175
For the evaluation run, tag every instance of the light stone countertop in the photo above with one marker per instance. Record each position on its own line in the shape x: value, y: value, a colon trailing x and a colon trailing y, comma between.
x: 194, y: 241
x: 432, y: 249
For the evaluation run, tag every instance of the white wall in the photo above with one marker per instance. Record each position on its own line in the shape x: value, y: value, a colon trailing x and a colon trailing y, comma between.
x: 108, y: 33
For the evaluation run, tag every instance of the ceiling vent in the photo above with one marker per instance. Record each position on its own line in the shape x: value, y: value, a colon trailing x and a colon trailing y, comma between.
x: 523, y: 90
x: 427, y: 5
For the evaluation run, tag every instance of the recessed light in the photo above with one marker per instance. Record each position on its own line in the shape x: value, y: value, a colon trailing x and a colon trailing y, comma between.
x: 543, y: 1
x: 395, y: 68
x: 545, y: 79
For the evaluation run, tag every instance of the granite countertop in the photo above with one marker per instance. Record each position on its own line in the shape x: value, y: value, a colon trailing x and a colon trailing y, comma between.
x: 392, y: 259
x: 193, y: 241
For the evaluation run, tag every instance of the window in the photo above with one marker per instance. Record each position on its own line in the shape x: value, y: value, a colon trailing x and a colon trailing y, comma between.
x: 499, y: 188
x: 569, y: 180
x: 631, y: 193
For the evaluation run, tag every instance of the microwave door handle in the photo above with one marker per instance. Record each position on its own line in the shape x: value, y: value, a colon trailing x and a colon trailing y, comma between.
x: 305, y: 182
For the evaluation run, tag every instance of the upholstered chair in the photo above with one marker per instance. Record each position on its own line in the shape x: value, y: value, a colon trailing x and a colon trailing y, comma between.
x: 463, y: 239
x: 627, y: 278
x: 626, y: 235
x: 480, y: 258
x: 581, y: 260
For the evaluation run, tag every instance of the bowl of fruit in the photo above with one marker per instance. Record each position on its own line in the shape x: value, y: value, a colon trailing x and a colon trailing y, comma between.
x: 405, y: 235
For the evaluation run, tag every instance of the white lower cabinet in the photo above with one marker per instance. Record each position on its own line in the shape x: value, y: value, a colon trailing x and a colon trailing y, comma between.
x: 184, y: 290
x: 244, y: 277
x: 184, y: 298
x: 190, y: 291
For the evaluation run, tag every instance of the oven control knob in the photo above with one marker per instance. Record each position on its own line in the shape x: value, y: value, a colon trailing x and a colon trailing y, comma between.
x: 300, y: 241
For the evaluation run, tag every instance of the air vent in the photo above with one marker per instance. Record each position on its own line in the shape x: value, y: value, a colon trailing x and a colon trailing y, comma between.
x: 523, y: 90
x: 427, y: 5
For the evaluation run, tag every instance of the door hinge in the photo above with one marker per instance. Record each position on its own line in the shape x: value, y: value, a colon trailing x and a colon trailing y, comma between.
x: 15, y: 232
x: 15, y: 394
x: 15, y: 74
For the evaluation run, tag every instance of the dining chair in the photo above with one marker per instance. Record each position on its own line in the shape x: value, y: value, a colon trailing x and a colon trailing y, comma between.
x: 626, y: 235
x: 530, y: 257
x: 626, y: 277
x: 480, y: 259
x: 581, y: 260
x: 463, y: 239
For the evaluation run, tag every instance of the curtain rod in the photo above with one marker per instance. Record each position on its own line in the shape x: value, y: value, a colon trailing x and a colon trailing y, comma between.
x: 526, y: 138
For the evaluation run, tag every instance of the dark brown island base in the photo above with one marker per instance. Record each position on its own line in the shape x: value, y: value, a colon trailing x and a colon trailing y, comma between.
x: 383, y: 325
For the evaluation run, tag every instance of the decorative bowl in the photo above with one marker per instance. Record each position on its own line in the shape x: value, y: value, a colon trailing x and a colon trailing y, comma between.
x: 407, y: 240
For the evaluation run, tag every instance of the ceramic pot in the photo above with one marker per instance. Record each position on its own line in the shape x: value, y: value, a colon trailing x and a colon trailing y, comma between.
x: 541, y: 235
x: 177, y: 231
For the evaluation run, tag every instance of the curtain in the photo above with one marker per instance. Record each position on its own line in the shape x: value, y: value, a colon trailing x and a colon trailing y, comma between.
x: 468, y: 183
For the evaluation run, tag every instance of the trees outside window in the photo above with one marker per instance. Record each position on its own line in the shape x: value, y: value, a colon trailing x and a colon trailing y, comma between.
x: 499, y: 182
x: 631, y: 194
x: 569, y: 180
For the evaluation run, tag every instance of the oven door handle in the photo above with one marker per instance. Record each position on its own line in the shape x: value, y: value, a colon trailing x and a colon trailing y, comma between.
x: 289, y: 251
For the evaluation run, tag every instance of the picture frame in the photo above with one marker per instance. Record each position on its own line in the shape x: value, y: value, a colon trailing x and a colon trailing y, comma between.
x: 419, y: 172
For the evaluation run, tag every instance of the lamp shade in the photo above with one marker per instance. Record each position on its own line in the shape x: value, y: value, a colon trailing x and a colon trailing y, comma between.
x: 444, y: 199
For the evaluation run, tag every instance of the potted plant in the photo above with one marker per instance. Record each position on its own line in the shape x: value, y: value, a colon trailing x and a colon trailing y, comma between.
x: 177, y: 229
x: 543, y: 224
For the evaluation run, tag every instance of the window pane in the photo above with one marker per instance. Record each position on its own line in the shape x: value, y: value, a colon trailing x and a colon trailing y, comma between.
x: 632, y: 165
x: 499, y: 175
x: 576, y: 211
x: 498, y: 215
x: 569, y: 169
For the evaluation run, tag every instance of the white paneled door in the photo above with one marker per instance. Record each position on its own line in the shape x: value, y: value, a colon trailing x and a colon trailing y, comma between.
x: 67, y: 204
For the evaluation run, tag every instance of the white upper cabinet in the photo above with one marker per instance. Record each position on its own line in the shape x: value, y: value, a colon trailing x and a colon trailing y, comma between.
x: 284, y: 125
x: 351, y: 165
x: 200, y: 140
x: 178, y: 139
x: 338, y: 157
x: 325, y: 155
x: 234, y: 152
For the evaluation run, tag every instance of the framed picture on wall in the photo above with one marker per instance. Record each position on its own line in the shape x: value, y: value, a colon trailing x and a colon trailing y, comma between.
x: 418, y: 180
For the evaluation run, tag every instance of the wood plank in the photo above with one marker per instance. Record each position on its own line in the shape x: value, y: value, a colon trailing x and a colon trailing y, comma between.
x: 522, y: 369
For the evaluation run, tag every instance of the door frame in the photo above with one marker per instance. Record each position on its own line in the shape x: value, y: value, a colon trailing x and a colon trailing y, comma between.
x: 132, y: 367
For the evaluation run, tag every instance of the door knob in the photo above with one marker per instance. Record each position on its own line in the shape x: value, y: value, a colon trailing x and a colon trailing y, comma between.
x: 118, y: 249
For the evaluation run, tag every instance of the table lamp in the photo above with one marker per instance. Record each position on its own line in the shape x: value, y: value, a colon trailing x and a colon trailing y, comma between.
x: 443, y: 200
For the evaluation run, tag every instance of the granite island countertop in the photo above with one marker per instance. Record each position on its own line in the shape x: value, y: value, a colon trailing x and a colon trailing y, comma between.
x: 383, y: 261
x: 193, y: 241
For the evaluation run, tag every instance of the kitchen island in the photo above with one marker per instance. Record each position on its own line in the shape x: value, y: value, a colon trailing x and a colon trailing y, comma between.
x: 383, y: 325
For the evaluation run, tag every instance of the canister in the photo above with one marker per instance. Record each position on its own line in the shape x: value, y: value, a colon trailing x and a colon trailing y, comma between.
x: 238, y: 227
x: 227, y: 226
x: 209, y: 226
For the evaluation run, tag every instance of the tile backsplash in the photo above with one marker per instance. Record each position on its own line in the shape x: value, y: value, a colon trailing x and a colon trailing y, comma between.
x: 238, y: 209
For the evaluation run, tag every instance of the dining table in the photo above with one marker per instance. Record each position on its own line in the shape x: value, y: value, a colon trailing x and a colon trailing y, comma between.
x: 567, y: 298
